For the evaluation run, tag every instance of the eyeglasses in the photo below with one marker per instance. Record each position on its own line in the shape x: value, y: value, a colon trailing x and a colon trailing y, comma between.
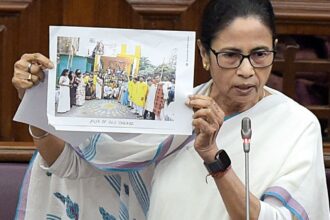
x: 232, y: 60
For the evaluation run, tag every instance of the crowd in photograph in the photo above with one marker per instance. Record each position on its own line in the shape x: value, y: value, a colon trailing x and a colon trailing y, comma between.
x: 149, y: 97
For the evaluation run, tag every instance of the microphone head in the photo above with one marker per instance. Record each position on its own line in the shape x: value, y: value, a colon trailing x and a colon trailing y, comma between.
x: 246, y: 131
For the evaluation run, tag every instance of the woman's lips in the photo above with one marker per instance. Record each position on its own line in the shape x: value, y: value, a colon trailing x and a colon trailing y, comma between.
x: 244, y: 89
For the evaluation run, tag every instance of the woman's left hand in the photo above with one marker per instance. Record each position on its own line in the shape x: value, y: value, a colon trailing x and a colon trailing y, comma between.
x: 207, y: 120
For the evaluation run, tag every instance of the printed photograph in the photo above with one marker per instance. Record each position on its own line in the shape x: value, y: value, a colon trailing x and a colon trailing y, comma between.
x: 103, y: 78
x: 118, y: 85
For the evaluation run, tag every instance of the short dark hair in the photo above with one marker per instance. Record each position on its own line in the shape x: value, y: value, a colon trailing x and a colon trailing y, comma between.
x: 218, y: 14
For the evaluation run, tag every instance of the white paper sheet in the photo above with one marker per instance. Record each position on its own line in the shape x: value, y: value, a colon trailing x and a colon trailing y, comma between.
x: 157, y: 46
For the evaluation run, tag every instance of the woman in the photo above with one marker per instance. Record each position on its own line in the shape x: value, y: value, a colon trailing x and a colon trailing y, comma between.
x: 166, y: 178
x: 89, y: 89
x: 73, y: 86
x: 81, y: 90
x: 64, y: 97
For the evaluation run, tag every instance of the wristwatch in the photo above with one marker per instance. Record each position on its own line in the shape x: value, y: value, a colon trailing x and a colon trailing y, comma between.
x: 220, y: 164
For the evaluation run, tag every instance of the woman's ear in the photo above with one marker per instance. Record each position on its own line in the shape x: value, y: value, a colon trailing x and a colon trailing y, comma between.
x: 204, y: 55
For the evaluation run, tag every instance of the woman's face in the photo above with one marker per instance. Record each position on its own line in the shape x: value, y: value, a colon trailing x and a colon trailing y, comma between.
x: 238, y: 89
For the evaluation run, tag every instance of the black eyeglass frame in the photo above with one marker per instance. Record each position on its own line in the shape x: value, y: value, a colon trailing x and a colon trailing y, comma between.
x: 243, y: 57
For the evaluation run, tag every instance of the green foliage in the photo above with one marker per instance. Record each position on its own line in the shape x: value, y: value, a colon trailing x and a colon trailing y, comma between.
x: 148, y: 69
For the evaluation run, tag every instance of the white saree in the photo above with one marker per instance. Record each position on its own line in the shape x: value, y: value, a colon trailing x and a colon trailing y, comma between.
x: 161, y: 177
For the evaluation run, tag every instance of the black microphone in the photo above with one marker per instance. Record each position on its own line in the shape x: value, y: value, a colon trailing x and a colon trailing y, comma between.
x: 246, y: 133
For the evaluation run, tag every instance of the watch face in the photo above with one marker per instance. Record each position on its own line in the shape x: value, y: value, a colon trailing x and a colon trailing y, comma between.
x: 220, y: 164
x: 224, y: 158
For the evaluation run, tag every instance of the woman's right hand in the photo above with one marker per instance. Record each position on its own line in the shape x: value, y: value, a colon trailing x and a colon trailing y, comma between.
x: 28, y: 71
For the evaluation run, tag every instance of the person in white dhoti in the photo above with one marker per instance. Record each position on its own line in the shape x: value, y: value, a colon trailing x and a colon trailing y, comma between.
x: 149, y: 106
x: 107, y: 92
x: 99, y: 85
x: 162, y: 177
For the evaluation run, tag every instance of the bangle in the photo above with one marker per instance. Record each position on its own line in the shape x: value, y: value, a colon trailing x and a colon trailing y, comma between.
x: 37, y: 137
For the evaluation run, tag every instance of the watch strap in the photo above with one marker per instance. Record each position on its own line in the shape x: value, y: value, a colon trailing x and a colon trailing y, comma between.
x: 220, y: 164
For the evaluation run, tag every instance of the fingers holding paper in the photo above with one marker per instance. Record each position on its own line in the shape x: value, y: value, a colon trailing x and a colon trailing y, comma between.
x: 28, y: 71
x: 207, y: 120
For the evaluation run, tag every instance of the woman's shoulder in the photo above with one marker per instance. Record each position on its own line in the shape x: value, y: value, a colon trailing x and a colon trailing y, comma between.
x: 292, y: 108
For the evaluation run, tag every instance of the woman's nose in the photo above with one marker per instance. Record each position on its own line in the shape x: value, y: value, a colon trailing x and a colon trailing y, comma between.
x: 245, y: 70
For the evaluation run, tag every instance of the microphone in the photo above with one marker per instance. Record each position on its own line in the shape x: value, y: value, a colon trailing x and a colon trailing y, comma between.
x: 246, y: 133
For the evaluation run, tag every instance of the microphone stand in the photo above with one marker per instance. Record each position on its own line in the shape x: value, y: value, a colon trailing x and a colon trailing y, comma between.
x: 246, y: 147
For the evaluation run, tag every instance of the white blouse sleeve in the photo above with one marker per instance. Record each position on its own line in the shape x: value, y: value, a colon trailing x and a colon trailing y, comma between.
x: 70, y: 165
x: 272, y: 208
